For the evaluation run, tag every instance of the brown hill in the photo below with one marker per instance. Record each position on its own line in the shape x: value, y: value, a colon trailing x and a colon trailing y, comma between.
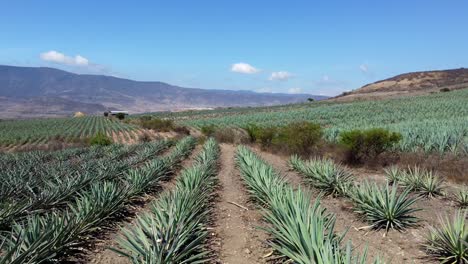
x: 415, y: 83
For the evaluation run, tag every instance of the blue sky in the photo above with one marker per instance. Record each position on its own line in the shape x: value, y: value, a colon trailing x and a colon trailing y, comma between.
x: 291, y: 46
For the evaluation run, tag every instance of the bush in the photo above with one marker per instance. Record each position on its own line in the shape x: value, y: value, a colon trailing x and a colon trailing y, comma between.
x: 182, y: 130
x: 208, y: 130
x: 120, y: 116
x: 368, y: 143
x: 231, y: 135
x: 144, y: 137
x: 299, y: 138
x: 160, y: 125
x: 100, y: 139
x: 445, y: 90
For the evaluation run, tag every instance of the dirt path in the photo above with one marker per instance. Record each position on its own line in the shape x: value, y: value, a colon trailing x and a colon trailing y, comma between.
x: 395, y: 247
x: 238, y: 241
x: 102, y: 254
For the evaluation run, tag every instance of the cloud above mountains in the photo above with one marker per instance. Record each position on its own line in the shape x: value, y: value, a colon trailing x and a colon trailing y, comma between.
x: 280, y: 76
x: 60, y: 58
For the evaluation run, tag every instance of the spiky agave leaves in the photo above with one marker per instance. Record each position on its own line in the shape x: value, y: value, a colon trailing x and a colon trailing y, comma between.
x: 41, y: 237
x: 323, y: 174
x: 419, y: 180
x: 302, y: 231
x: 174, y: 231
x: 449, y: 241
x: 461, y: 197
x: 384, y: 206
x: 262, y: 181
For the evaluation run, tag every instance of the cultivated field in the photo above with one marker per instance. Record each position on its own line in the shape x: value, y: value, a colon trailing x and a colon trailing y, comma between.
x: 193, y: 199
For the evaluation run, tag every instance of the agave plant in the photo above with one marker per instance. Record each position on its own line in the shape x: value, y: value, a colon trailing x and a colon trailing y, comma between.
x: 323, y: 174
x: 302, y: 230
x: 419, y: 180
x: 449, y: 242
x: 174, y: 231
x: 384, y: 207
x: 461, y: 197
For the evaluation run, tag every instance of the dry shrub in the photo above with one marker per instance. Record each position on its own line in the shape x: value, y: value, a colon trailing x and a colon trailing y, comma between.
x: 144, y: 137
x: 156, y: 124
x: 296, y: 138
x: 231, y: 135
x: 182, y: 130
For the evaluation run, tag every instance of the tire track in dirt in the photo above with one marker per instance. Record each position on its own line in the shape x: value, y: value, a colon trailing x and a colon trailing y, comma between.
x: 102, y: 254
x: 395, y: 247
x: 238, y: 239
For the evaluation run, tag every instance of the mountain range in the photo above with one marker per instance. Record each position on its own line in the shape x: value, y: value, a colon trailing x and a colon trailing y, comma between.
x: 43, y: 92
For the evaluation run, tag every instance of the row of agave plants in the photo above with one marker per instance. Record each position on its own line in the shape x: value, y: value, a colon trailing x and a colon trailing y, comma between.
x: 302, y: 230
x: 30, y: 187
x: 174, y: 230
x: 46, y: 236
x: 392, y: 206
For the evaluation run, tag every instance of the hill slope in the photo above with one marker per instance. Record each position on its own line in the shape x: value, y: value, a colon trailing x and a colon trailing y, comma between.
x: 415, y: 83
x: 18, y: 84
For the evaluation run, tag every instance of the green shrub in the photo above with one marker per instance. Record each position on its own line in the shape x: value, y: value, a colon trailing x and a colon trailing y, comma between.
x: 299, y: 138
x: 100, y: 139
x: 368, y: 143
x: 208, y: 130
x: 160, y: 125
x: 445, y: 90
x: 120, y: 116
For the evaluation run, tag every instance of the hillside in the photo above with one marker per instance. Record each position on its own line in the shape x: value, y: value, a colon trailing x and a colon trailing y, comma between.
x: 25, y: 90
x: 415, y: 83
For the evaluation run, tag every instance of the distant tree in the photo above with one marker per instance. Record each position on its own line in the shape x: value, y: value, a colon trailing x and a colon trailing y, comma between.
x: 310, y: 99
x: 445, y: 90
x: 106, y: 114
x: 120, y: 116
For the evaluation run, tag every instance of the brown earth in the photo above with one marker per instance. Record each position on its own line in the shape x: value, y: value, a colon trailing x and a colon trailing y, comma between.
x: 415, y: 83
x: 238, y: 239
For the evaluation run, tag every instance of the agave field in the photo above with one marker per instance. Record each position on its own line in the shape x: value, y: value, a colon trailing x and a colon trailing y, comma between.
x: 432, y: 123
x: 170, y: 201
x: 37, y: 131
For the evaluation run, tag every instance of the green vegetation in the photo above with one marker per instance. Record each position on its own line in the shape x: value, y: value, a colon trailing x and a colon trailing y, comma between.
x: 383, y: 206
x: 175, y: 229
x: 461, y: 197
x: 368, y: 144
x: 301, y: 229
x: 100, y: 139
x: 422, y: 181
x: 57, y: 217
x: 300, y: 137
x: 67, y: 129
x: 324, y: 175
x: 156, y: 124
x: 431, y: 123
x: 449, y: 242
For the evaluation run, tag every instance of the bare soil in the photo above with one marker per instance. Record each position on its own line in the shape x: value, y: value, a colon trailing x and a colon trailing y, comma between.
x: 237, y: 237
x: 395, y: 246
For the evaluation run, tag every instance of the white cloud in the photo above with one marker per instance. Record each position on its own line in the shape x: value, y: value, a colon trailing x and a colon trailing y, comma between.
x: 242, y: 67
x: 295, y: 90
x: 280, y: 76
x: 364, y: 68
x: 60, y: 58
